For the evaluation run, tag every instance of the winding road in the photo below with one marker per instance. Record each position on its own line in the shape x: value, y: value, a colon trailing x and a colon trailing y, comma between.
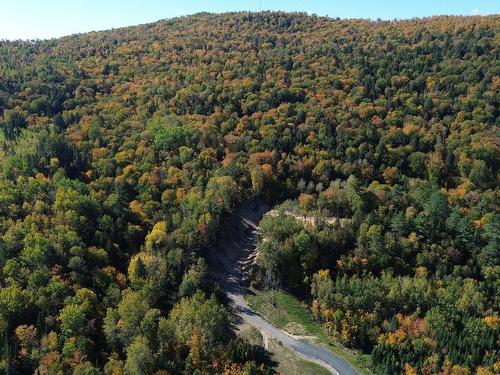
x: 230, y: 262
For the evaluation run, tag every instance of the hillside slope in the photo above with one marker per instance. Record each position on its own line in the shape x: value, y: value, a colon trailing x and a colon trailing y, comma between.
x: 122, y: 151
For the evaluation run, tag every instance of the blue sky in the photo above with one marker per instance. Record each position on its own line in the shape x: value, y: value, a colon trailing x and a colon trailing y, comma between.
x: 29, y: 19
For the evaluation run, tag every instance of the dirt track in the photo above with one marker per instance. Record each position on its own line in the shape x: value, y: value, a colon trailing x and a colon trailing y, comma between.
x: 230, y: 262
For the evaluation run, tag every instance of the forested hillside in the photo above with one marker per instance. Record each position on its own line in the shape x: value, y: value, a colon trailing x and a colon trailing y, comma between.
x: 123, y: 151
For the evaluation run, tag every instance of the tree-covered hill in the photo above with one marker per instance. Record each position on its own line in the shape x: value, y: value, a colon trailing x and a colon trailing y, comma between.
x: 122, y: 151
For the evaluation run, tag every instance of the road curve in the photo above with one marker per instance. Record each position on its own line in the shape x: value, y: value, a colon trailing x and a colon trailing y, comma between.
x: 230, y: 261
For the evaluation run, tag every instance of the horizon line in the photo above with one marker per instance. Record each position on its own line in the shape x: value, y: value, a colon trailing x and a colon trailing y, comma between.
x: 309, y: 14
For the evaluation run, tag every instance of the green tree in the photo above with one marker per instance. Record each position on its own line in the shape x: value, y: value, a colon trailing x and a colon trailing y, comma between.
x: 72, y: 318
x: 12, y: 124
x: 194, y: 279
x: 140, y: 358
x: 322, y: 288
x: 131, y: 309
x: 202, y: 316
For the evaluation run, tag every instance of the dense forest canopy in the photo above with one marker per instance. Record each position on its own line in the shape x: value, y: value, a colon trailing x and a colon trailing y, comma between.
x: 123, y: 151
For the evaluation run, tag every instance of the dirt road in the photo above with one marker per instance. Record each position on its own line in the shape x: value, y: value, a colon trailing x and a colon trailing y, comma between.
x: 230, y: 262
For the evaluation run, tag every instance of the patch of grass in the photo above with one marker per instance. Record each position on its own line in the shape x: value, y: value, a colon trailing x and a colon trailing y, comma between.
x: 282, y: 310
x: 296, y: 329
x: 251, y: 335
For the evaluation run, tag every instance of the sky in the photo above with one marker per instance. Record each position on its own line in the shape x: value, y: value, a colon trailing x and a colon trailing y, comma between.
x: 43, y: 19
